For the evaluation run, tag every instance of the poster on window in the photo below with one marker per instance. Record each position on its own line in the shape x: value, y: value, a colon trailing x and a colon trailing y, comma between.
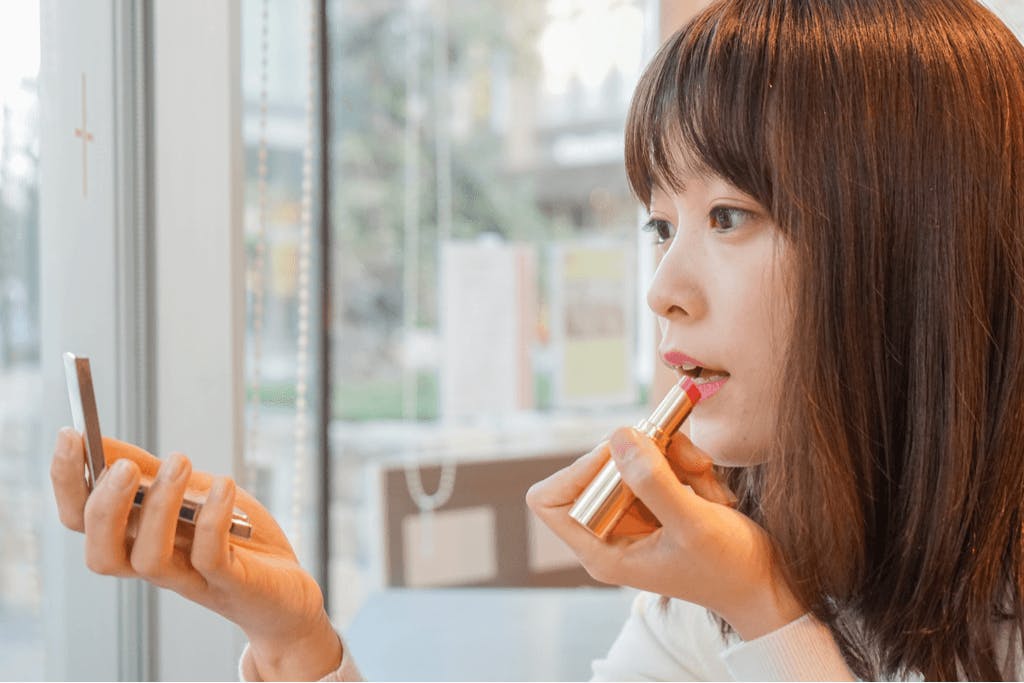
x: 593, y: 290
x: 488, y: 327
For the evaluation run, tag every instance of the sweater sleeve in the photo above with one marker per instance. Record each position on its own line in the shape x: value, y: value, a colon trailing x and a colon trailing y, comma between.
x: 347, y: 671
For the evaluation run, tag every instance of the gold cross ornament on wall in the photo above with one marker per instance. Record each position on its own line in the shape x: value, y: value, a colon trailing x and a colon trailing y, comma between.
x: 87, y: 137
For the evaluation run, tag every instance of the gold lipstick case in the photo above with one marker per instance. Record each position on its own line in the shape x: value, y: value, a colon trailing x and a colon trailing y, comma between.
x: 86, y: 420
x: 606, y: 499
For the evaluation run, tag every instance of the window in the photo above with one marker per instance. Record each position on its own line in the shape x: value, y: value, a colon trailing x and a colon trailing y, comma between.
x: 282, y: 275
x: 485, y: 296
x: 1011, y: 12
x: 23, y: 488
x: 484, y: 270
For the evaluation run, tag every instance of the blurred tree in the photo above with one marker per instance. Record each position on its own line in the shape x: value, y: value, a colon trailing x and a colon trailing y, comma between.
x: 19, y: 235
x: 483, y: 44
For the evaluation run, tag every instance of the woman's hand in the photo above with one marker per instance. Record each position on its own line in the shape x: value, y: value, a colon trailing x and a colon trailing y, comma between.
x: 257, y: 583
x: 703, y: 552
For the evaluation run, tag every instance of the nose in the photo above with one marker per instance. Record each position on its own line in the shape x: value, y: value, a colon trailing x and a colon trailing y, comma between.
x: 675, y: 292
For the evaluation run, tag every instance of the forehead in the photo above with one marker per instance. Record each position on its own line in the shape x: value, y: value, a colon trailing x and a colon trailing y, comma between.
x: 692, y: 184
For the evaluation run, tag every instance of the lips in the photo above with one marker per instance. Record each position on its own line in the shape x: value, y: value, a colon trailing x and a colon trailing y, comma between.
x: 677, y: 359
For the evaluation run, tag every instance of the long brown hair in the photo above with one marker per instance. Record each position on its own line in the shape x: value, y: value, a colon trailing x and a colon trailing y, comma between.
x: 886, y: 139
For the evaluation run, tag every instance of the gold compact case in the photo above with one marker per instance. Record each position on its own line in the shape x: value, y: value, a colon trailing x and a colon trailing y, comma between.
x: 606, y: 499
x: 85, y: 418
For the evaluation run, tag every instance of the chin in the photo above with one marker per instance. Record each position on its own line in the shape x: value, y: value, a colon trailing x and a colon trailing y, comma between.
x: 725, y: 444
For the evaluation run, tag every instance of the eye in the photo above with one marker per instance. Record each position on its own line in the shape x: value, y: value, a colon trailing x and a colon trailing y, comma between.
x: 727, y: 218
x: 663, y: 230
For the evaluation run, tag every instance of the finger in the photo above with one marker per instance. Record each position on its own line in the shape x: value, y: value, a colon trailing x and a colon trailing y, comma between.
x: 67, y: 476
x: 266, y: 531
x: 212, y: 555
x: 706, y: 485
x: 688, y: 457
x: 153, y: 554
x: 106, y: 519
x: 636, y: 522
x: 648, y: 474
x: 564, y: 486
x: 551, y: 500
x: 696, y: 468
x: 114, y: 450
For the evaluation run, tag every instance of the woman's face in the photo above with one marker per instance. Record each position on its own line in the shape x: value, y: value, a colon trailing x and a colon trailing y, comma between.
x: 722, y: 296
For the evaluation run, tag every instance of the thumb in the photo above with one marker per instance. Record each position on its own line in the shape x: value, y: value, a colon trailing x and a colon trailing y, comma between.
x: 649, y: 476
x: 114, y: 450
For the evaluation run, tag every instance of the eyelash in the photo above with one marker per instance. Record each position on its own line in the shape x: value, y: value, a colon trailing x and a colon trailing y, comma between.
x: 663, y: 230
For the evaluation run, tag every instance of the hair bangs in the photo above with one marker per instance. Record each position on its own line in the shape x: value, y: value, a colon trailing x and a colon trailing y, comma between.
x: 701, y: 107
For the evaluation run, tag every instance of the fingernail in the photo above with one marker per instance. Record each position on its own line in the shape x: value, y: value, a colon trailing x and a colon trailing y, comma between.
x: 622, y: 448
x: 120, y: 474
x: 64, y: 440
x: 172, y: 468
x: 219, y: 490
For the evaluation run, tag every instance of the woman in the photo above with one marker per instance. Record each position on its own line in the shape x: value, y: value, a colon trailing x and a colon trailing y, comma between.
x: 836, y: 188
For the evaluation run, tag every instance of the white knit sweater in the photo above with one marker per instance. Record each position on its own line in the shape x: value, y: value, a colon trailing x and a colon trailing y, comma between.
x: 684, y: 644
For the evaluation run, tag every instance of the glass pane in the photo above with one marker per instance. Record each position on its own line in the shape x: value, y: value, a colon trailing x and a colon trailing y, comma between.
x: 282, y: 289
x: 484, y: 278
x: 1010, y: 11
x: 24, y: 496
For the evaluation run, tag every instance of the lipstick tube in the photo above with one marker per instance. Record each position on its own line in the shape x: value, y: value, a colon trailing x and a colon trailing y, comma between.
x: 606, y: 499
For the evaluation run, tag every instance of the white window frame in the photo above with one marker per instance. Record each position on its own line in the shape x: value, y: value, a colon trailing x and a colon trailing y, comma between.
x: 199, y: 284
x: 146, y: 278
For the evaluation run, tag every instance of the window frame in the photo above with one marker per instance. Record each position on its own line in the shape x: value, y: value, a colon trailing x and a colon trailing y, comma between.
x: 164, y: 177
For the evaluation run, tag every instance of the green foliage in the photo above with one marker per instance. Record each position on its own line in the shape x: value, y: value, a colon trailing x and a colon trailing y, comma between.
x: 382, y: 400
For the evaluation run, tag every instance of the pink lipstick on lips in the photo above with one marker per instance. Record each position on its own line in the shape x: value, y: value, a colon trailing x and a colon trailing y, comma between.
x: 677, y: 358
x: 707, y: 388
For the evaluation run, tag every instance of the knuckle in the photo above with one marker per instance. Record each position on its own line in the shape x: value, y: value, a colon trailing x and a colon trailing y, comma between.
x: 156, y: 501
x: 207, y: 555
x: 600, y: 571
x: 97, y: 512
x: 61, y: 473
x: 186, y: 463
x: 207, y: 562
x: 532, y: 495
x: 70, y: 519
x: 640, y: 473
x: 162, y: 499
x: 148, y: 566
x: 100, y: 563
x: 621, y: 434
x: 603, y: 445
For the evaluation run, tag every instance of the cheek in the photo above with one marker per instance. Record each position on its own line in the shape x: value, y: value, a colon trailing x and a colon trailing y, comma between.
x: 774, y: 323
x: 768, y: 314
x: 741, y: 432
